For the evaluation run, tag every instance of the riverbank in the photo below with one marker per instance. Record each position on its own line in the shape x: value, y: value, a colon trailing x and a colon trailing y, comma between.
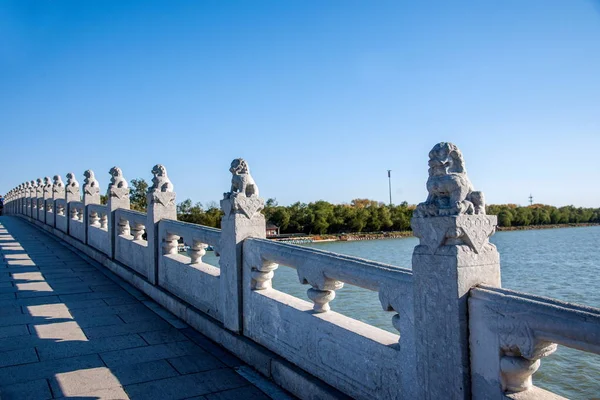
x: 351, y: 237
x: 550, y: 226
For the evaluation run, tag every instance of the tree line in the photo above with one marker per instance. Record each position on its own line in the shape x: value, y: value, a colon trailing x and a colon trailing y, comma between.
x: 362, y: 215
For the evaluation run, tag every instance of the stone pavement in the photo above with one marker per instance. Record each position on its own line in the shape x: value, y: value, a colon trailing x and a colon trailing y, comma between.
x: 71, y: 330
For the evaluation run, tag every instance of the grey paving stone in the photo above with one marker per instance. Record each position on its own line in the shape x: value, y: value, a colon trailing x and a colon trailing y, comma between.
x: 211, y: 347
x: 246, y: 393
x: 187, y: 385
x: 79, y: 348
x: 10, y: 310
x: 32, y: 390
x: 163, y: 336
x: 116, y: 293
x: 150, y: 353
x: 196, y: 363
x: 116, y: 393
x: 124, y: 329
x: 117, y: 301
x: 16, y: 357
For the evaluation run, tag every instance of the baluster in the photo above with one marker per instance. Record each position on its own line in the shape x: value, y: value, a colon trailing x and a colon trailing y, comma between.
x: 196, y: 251
x: 262, y: 275
x: 104, y: 221
x: 123, y: 226
x: 137, y: 230
x: 170, y: 244
x: 517, y: 372
x: 94, y: 219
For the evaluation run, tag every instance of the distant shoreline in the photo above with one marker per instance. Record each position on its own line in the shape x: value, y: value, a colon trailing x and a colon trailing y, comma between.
x: 353, y: 237
x: 550, y: 226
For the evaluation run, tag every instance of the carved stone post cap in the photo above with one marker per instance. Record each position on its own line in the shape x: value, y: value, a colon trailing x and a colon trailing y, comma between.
x: 247, y: 206
x: 470, y: 230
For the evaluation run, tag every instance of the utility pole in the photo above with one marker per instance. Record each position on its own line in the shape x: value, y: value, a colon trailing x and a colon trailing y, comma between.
x: 530, y: 199
x: 390, y: 184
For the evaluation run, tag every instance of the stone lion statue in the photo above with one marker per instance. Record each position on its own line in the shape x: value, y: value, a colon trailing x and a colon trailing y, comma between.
x: 117, y: 181
x: 47, y: 185
x: 450, y: 190
x: 160, y: 182
x: 241, y: 180
x: 72, y: 183
x: 57, y: 183
x: 90, y: 184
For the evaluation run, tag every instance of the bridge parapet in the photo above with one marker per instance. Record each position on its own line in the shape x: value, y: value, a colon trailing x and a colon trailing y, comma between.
x: 459, y: 334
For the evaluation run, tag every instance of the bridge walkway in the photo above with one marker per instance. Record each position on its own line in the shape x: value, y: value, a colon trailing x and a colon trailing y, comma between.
x: 69, y: 329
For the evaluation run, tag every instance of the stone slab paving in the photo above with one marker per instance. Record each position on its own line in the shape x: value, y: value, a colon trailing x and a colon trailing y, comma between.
x: 71, y: 330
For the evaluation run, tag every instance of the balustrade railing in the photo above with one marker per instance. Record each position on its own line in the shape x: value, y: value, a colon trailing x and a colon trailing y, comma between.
x: 186, y: 275
x: 296, y: 330
x: 459, y: 335
x: 97, y: 229
x: 511, y: 332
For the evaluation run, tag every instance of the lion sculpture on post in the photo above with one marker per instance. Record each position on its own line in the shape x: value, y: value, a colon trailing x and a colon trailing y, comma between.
x: 117, y: 181
x: 241, y: 180
x: 160, y: 181
x: 90, y: 184
x: 449, y: 187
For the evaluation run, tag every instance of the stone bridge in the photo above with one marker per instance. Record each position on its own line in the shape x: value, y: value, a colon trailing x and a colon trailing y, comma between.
x: 99, y: 303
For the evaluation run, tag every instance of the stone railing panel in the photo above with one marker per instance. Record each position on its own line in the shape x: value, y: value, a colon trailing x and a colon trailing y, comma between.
x: 75, y: 214
x: 185, y: 275
x: 97, y: 229
x: 131, y: 248
x: 327, y: 344
x: 511, y: 332
x: 61, y: 216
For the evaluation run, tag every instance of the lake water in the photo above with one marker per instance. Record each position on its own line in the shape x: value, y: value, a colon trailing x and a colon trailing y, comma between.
x: 559, y: 263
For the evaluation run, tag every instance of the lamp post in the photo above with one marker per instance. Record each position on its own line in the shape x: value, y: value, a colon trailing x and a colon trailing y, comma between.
x: 390, y: 184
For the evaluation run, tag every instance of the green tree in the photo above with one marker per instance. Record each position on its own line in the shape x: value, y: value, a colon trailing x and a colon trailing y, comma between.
x: 137, y: 194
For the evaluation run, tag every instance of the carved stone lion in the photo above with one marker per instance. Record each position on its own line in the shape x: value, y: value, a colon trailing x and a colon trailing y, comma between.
x: 72, y: 183
x: 450, y: 190
x: 160, y: 182
x: 90, y: 184
x: 57, y: 185
x: 117, y: 181
x: 241, y: 180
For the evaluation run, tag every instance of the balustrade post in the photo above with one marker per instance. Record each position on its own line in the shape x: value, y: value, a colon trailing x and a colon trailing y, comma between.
x: 454, y: 255
x: 39, y: 199
x: 118, y: 197
x: 32, y: 209
x: 161, y: 205
x: 242, y: 219
x: 47, y: 195
x: 23, y: 202
x: 91, y: 195
x: 58, y: 192
x: 72, y: 193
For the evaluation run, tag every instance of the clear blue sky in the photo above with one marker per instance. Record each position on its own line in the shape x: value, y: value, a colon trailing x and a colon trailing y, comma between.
x: 321, y: 97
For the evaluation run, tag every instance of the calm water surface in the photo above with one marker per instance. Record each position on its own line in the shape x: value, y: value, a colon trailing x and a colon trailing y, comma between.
x: 559, y: 263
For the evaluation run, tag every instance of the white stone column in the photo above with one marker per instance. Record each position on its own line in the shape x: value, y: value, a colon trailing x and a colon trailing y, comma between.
x: 118, y: 197
x: 58, y: 192
x: 242, y: 219
x: 39, y: 199
x: 161, y: 205
x: 453, y: 256
x: 31, y: 208
x: 46, y: 195
x: 91, y: 195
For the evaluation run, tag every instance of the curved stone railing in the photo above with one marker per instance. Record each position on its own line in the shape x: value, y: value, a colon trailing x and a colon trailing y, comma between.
x: 513, y: 331
x: 98, y: 235
x: 76, y: 225
x: 319, y: 340
x: 461, y: 335
x: 131, y: 248
x: 185, y: 274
